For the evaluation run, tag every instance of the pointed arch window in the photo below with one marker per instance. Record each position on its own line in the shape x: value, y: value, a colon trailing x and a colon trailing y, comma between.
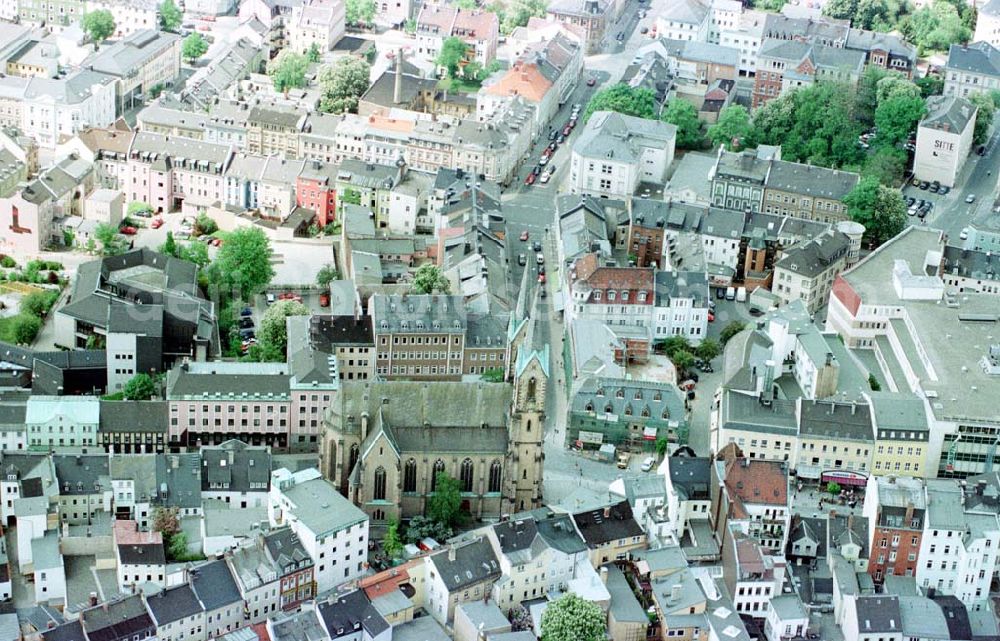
x: 645, y: 412
x: 379, y: 494
x: 496, y: 475
x: 438, y: 468
x: 465, y: 475
x: 410, y: 476
x: 355, y: 452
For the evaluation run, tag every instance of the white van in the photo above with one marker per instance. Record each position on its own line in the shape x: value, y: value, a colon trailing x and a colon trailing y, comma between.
x: 730, y: 293
x: 741, y: 295
x: 648, y: 463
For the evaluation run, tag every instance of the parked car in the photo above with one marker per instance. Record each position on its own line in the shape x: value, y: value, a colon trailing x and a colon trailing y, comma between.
x: 964, y: 234
x: 623, y: 460
x: 591, y: 82
x: 924, y: 185
x: 560, y: 139
x: 648, y: 463
x: 128, y: 230
x: 910, y: 200
x: 546, y: 175
x: 566, y: 130
x: 524, y: 235
x: 157, y: 223
x: 246, y: 323
x: 944, y: 190
x: 720, y: 293
x: 536, y: 246
x: 541, y: 279
x: 247, y: 334
x: 246, y: 311
x: 530, y: 180
x: 269, y: 298
x: 971, y: 198
x: 540, y: 258
x: 522, y: 260
x: 544, y: 159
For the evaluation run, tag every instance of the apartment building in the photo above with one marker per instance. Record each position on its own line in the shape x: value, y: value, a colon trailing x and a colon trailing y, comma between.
x: 753, y: 496
x: 48, y: 108
x: 902, y: 434
x: 589, y: 17
x: 624, y: 412
x: 611, y: 295
x: 140, y: 62
x: 479, y: 29
x: 419, y: 336
x: 275, y: 129
x: 805, y: 191
x: 681, y: 306
x: 685, y: 20
x: 944, y: 139
x: 806, y: 270
x: 895, y: 509
x: 783, y: 65
x: 836, y: 437
x: 170, y: 172
x: 319, y: 24
x: 971, y: 68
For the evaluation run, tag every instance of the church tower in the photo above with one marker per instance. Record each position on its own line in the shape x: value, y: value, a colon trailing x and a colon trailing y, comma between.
x: 527, y: 429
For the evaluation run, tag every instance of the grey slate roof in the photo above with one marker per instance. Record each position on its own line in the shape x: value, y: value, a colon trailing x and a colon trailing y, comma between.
x: 878, y: 614
x: 174, y: 604
x: 625, y: 608
x: 235, y: 466
x: 81, y: 474
x: 794, y: 52
x: 183, y: 479
x: 948, y: 113
x: 663, y: 401
x: 818, y: 182
x: 418, y: 313
x: 134, y: 416
x: 117, y: 620
x: 473, y: 562
x: 596, y: 529
x: 301, y: 626
x: 559, y: 532
x: 811, y: 258
x: 71, y: 631
x: 132, y: 52
x: 611, y: 135
x: 830, y: 419
x: 142, y: 554
x: 351, y: 612
x: 691, y: 477
x: 214, y: 585
x: 978, y: 57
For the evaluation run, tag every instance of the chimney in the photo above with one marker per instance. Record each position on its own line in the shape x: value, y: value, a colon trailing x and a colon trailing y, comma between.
x: 675, y: 591
x: 909, y: 514
x: 607, y: 512
x: 604, y: 574
x: 397, y: 90
x: 93, y: 599
x: 850, y: 522
x: 451, y: 554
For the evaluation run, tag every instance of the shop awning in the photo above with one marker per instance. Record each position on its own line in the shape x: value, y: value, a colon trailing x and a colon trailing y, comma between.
x: 808, y: 472
x: 649, y: 433
x: 842, y: 477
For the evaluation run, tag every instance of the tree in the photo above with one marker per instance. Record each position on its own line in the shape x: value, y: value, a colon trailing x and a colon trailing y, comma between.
x: 773, y: 6
x: 674, y: 344
x: 428, y: 279
x: 897, y: 116
x: 683, y: 115
x: 99, y: 25
x: 466, y: 5
x: 662, y: 446
x: 452, y: 55
x: 392, y: 545
x: 326, y: 275
x: 930, y: 85
x: 445, y: 503
x: 833, y: 488
x: 272, y: 335
x: 35, y: 304
x: 935, y: 27
x: 984, y: 117
x: 194, y: 47
x: 111, y: 243
x: 683, y: 360
x: 888, y: 164
x: 69, y: 237
x: 421, y: 527
x: 194, y: 252
x: 342, y: 83
x: 25, y: 328
x: 204, y: 225
x: 873, y: 383
x: 895, y: 85
x: 166, y: 521
x: 287, y: 70
x: 732, y: 129
x: 170, y: 16
x: 517, y: 13
x: 169, y: 246
x: 623, y: 99
x: 140, y: 387
x: 350, y: 197
x: 731, y: 329
x: 313, y: 54
x: 493, y: 375
x: 177, y: 546
x: 570, y: 618
x: 879, y: 208
x: 244, y: 261
x: 866, y: 99
x: 359, y: 12
x: 708, y: 349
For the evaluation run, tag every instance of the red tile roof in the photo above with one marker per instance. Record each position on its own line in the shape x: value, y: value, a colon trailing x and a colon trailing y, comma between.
x: 756, y: 481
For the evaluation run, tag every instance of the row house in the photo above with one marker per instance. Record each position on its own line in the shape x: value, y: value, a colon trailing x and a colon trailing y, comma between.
x: 681, y: 306
x: 478, y: 29
x: 806, y: 270
x: 275, y: 129
x: 263, y: 183
x: 752, y: 575
x: 47, y: 109
x: 971, y: 68
x: 753, y: 495
x: 169, y: 172
x: 589, y: 18
x: 609, y: 294
x: 294, y: 565
x: 319, y: 24
x: 895, y: 508
x: 784, y: 65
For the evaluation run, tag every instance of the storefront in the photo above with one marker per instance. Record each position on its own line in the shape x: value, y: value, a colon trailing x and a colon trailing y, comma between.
x: 845, y: 479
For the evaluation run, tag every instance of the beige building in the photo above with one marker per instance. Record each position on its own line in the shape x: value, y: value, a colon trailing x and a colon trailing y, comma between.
x: 834, y: 436
x: 806, y: 270
x: 319, y: 23
x: 902, y: 432
x: 275, y: 129
x: 806, y: 191
x: 944, y: 139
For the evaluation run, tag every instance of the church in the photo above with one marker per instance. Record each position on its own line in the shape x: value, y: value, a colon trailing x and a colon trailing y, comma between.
x: 385, y: 443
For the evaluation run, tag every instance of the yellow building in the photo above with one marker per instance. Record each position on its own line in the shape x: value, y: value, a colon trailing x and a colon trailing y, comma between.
x: 901, y: 435
x: 834, y: 437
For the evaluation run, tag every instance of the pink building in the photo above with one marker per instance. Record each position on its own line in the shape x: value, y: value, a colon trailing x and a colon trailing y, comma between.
x: 167, y: 171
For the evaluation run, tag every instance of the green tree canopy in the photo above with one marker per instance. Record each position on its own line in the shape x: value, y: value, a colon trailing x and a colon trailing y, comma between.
x: 428, y: 279
x: 359, y: 12
x: 684, y: 116
x: 984, y: 117
x: 683, y: 360
x: 731, y: 329
x: 516, y: 13
x: 392, y: 544
x: 193, y: 251
x: 35, y: 304
x: 452, y: 55
x: 894, y: 85
x: 733, y: 128
x: 935, y: 27
x: 25, y: 328
x: 930, y: 85
x: 342, y: 83
x: 244, y: 262
x: 879, y: 208
x: 570, y: 618
x: 313, y: 54
x: 287, y: 70
x: 111, y: 242
x: 708, y: 349
x: 140, y: 387
x: 170, y: 15
x: 445, y: 503
x: 272, y: 335
x: 897, y: 116
x: 888, y: 164
x: 623, y: 99
x: 194, y: 47
x: 99, y: 25
x: 326, y: 275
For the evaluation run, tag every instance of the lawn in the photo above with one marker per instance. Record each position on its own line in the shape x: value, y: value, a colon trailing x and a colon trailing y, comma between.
x: 460, y: 85
x: 7, y: 329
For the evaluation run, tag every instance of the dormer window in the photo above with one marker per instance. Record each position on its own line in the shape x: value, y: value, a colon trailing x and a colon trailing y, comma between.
x: 638, y: 395
x: 658, y: 396
x: 628, y: 410
x: 666, y: 413
x: 625, y: 295
x: 645, y: 412
x: 611, y: 295
x: 620, y: 394
x: 597, y: 295
x: 642, y: 297
x: 590, y: 407
x: 608, y: 409
x: 600, y: 391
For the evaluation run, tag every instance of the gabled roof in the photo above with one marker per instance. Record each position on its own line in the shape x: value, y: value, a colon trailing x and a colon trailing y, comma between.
x: 601, y: 526
x: 174, y: 604
x: 349, y: 613
x: 465, y: 564
x: 117, y: 620
x: 978, y: 57
x: 214, y: 585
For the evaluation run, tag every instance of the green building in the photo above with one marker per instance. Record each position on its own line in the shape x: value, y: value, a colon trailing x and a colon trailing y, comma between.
x: 626, y: 413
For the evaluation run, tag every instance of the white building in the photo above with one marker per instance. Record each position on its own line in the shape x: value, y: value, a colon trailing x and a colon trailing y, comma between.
x: 258, y: 579
x: 688, y: 497
x: 614, y: 153
x: 49, y: 109
x: 972, y: 68
x: 684, y: 20
x: 463, y: 572
x: 620, y: 296
x: 944, y: 139
x: 320, y: 23
x: 681, y: 307
x: 988, y: 23
x: 806, y: 270
x: 332, y: 530
x: 132, y: 16
x: 217, y: 591
x: 786, y: 618
x: 48, y: 570
x: 746, y: 36
x: 872, y: 618
x: 178, y: 614
x: 62, y: 421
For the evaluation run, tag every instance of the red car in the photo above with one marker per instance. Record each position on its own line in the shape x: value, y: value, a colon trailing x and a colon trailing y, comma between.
x: 530, y: 180
x: 591, y: 82
x: 541, y: 278
x: 711, y: 317
x: 547, y: 153
x: 217, y: 242
x: 290, y: 296
x: 566, y: 130
x: 524, y: 235
x: 128, y: 231
x: 157, y: 223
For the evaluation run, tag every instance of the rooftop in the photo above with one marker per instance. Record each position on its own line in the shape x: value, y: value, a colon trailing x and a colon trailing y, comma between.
x: 316, y: 502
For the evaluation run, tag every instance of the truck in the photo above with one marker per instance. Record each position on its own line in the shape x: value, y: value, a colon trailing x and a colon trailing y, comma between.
x: 623, y: 460
x: 730, y: 293
x: 741, y: 295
